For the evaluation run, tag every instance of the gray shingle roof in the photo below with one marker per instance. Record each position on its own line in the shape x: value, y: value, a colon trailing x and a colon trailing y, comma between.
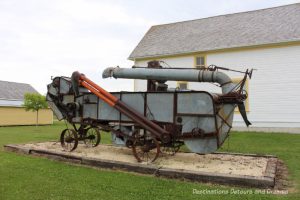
x: 267, y: 26
x: 12, y: 90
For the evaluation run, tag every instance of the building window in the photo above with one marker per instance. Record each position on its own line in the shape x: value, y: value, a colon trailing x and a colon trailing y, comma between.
x: 182, y: 85
x: 200, y: 61
x: 246, y: 88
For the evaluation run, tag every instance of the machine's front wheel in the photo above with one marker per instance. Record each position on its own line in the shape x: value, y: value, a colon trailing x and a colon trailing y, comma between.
x: 69, y: 139
x: 92, y: 137
x: 146, y: 150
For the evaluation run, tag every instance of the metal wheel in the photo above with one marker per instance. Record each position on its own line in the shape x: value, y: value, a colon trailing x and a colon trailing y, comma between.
x: 92, y: 137
x: 69, y: 139
x: 145, y: 150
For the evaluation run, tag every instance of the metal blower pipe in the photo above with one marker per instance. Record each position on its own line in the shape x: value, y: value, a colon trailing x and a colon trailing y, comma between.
x: 189, y: 75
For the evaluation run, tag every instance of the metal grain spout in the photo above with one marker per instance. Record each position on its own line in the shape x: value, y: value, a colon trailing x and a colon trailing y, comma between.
x: 190, y: 75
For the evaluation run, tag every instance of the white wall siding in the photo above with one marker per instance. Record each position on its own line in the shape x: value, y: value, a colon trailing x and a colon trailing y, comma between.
x: 275, y: 86
x: 274, y: 90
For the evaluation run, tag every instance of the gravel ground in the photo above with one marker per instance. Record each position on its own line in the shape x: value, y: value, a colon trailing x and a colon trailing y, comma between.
x: 212, y: 163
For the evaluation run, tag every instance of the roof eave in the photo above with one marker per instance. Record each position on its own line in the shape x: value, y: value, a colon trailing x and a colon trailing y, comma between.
x: 263, y: 45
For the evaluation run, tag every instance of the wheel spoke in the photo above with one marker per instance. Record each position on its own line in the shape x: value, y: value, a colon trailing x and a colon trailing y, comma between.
x: 92, y: 137
x: 145, y: 150
x: 68, y: 139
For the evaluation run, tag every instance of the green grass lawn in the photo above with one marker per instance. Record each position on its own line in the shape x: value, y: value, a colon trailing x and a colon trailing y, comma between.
x: 27, y: 177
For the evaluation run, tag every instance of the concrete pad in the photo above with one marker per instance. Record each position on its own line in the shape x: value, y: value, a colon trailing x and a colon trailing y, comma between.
x: 224, y: 168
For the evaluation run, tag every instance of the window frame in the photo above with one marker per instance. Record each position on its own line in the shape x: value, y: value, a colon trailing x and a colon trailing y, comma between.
x: 205, y: 61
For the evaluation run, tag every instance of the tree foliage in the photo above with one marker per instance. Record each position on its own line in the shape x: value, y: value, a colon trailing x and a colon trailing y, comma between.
x: 34, y: 102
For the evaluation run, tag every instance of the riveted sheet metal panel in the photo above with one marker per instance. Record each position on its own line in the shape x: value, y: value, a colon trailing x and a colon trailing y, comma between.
x: 90, y: 104
x: 64, y: 85
x: 205, y: 123
x: 68, y: 99
x: 90, y: 98
x: 52, y: 90
x: 225, y: 113
x: 160, y: 106
x: 198, y: 104
x: 106, y: 112
x: 200, y: 145
x: 195, y: 103
x: 135, y: 101
x: 54, y: 108
x: 90, y: 110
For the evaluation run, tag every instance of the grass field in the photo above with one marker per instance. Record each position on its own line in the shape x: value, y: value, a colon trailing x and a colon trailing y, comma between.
x: 26, y: 177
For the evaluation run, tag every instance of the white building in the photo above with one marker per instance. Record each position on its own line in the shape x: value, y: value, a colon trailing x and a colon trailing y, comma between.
x: 267, y: 40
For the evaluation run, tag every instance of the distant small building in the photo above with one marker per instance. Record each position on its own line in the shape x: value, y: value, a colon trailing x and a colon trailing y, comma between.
x: 11, y: 110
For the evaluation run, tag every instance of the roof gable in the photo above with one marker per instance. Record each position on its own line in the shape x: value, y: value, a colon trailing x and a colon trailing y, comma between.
x: 14, y: 91
x: 267, y: 26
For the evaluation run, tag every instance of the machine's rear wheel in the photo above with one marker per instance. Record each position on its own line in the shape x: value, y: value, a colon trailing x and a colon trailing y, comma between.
x: 92, y: 137
x: 146, y: 150
x: 69, y: 139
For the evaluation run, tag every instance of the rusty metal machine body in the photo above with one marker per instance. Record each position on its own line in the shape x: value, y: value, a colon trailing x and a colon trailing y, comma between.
x: 151, y: 122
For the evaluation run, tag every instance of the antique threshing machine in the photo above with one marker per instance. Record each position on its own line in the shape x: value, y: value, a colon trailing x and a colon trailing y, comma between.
x: 159, y: 120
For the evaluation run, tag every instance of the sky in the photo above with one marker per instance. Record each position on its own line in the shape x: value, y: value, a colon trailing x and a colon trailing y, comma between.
x: 40, y: 39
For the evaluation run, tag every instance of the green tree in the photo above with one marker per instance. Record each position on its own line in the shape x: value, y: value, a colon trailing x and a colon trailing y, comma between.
x: 34, y: 102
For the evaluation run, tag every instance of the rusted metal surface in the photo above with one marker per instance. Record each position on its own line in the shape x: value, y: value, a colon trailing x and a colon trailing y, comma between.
x: 147, y: 121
